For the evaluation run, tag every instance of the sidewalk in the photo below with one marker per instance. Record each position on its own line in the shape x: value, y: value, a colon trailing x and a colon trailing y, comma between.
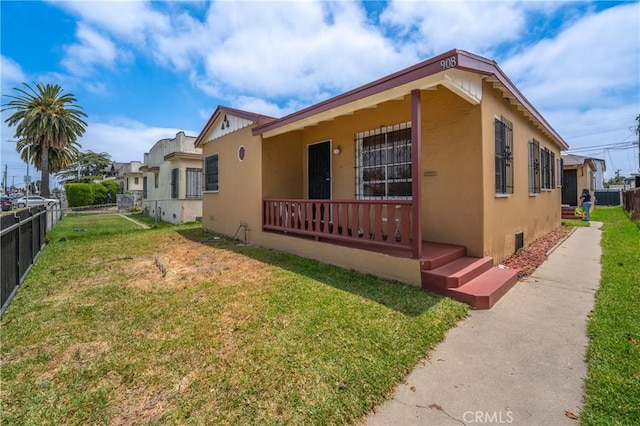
x: 520, y: 363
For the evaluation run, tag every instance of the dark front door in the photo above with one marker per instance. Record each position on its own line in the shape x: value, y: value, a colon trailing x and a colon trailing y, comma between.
x: 570, y: 187
x: 320, y: 171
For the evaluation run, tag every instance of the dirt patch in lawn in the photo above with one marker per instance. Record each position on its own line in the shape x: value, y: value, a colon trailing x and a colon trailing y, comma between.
x: 181, y: 261
x: 534, y: 254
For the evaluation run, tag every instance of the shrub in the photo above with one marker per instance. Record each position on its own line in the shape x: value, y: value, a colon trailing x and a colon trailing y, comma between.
x: 112, y: 188
x: 79, y: 194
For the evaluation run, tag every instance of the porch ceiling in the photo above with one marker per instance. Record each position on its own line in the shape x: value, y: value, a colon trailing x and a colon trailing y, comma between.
x: 465, y: 84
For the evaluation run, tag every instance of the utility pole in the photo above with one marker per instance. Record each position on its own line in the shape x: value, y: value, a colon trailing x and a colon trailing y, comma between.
x: 4, y: 179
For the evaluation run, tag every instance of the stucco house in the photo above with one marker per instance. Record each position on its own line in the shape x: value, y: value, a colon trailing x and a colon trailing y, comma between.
x: 172, y: 180
x: 431, y: 176
x: 129, y: 177
x: 578, y: 173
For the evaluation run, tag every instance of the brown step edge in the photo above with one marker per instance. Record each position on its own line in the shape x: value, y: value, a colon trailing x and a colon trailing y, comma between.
x: 485, y: 290
x: 435, y: 255
x: 456, y: 273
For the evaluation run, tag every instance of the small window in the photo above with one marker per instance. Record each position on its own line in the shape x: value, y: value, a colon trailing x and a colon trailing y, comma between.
x: 155, y: 180
x: 504, y: 156
x: 211, y: 173
x: 242, y: 152
x: 175, y: 183
x: 194, y: 188
x: 136, y: 181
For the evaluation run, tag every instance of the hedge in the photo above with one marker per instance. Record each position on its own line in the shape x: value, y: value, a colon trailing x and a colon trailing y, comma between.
x: 89, y: 194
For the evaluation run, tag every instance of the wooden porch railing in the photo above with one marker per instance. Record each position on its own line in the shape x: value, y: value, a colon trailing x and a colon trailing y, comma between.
x: 383, y: 223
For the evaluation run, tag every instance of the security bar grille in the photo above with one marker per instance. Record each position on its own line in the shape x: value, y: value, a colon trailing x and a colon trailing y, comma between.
x: 383, y: 166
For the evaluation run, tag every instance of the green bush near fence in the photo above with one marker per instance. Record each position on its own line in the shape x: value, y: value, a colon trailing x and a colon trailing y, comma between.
x: 89, y: 194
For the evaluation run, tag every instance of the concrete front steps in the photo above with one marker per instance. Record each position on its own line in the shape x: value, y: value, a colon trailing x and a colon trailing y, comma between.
x: 447, y: 270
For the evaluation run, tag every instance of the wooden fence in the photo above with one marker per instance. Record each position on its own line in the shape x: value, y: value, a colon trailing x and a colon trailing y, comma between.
x: 22, y: 236
x: 631, y: 203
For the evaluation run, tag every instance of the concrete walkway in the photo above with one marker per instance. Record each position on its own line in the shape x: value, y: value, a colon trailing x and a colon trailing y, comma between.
x: 520, y: 363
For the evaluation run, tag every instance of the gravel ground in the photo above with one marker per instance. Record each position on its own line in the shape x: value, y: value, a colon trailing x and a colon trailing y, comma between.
x: 532, y: 255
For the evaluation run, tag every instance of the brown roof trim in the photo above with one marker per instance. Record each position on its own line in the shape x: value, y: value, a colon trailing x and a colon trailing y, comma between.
x: 183, y: 155
x: 256, y: 118
x: 464, y: 60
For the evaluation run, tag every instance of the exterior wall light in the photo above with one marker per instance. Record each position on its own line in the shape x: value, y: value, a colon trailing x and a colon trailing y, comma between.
x: 337, y: 150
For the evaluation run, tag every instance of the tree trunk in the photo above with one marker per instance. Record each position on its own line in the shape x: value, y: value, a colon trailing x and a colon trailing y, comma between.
x: 44, y: 180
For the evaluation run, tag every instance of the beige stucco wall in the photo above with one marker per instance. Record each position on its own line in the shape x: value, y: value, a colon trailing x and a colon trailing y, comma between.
x: 368, y: 262
x: 239, y: 198
x: 535, y: 215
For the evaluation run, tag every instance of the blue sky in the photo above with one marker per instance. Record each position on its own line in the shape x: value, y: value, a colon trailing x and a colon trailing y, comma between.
x: 145, y: 70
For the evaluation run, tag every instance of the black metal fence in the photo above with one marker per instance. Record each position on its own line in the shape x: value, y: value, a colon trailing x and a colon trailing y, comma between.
x: 608, y: 197
x: 22, y: 236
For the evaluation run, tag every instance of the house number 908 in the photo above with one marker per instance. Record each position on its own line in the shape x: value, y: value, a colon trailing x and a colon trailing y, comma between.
x: 448, y: 63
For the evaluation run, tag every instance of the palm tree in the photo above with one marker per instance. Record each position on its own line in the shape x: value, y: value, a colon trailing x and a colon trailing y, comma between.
x: 45, y: 119
x: 59, y: 158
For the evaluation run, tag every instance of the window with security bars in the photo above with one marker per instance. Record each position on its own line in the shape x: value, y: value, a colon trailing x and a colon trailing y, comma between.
x: 548, y: 169
x: 211, y: 173
x: 504, y: 156
x: 175, y: 182
x: 383, y: 166
x: 534, y: 167
x: 194, y: 188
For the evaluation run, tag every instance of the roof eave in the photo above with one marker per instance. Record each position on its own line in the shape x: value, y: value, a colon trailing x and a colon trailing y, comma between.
x: 464, y: 61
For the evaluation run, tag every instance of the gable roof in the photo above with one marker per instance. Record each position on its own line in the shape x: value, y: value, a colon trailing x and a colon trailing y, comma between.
x: 450, y: 69
x: 223, y: 110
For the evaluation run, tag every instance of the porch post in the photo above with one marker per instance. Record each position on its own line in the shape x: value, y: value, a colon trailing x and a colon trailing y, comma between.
x: 416, y: 178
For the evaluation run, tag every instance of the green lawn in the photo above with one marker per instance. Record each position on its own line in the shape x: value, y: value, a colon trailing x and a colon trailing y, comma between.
x: 230, y: 334
x: 612, y: 388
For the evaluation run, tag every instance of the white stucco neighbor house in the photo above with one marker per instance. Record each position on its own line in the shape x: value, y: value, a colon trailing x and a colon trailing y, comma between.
x: 172, y: 180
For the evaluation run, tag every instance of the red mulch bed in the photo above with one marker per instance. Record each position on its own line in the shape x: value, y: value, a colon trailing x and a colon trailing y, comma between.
x: 532, y: 255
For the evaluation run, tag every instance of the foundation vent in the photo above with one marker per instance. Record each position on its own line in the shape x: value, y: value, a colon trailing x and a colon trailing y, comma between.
x: 519, y: 241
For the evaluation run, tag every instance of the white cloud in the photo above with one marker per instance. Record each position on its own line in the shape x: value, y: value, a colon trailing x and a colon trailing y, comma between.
x: 131, y: 20
x: 93, y: 49
x: 11, y: 72
x: 436, y: 27
x: 280, y: 49
x: 593, y: 63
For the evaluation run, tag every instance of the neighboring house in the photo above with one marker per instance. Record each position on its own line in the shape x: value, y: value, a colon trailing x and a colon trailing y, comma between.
x: 430, y: 176
x: 578, y: 173
x: 172, y: 180
x: 601, y: 167
x: 129, y: 177
x: 632, y: 182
